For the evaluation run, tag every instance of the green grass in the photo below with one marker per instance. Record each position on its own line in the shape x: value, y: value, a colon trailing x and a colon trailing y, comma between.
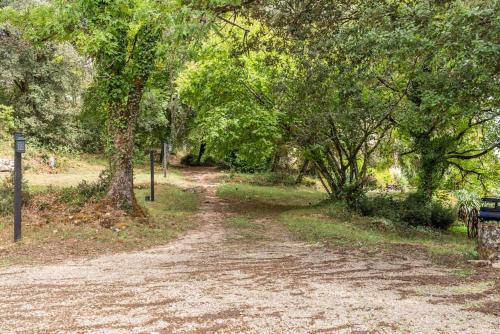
x: 283, y: 179
x: 170, y: 202
x: 332, y: 222
x: 270, y: 196
x: 75, y: 176
x: 329, y: 223
x: 310, y: 218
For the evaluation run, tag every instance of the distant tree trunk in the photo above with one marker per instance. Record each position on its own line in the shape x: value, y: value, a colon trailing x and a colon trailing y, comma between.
x: 203, y: 146
x: 122, y: 125
x: 302, y: 172
x: 276, y: 161
x: 162, y: 151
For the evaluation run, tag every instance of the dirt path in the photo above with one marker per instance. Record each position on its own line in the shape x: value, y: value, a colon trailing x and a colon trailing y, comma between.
x: 214, y: 280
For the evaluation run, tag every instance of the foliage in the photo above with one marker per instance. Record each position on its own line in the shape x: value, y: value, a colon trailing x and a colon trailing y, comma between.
x: 6, y: 120
x: 469, y: 200
x: 410, y: 210
x: 7, y: 194
x: 353, y: 87
x: 86, y: 192
x: 445, y: 58
x: 43, y: 85
x: 270, y: 196
x: 190, y: 160
x: 339, y: 113
x: 228, y: 90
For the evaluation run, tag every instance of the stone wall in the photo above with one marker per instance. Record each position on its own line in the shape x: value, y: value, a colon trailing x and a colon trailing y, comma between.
x: 489, y: 240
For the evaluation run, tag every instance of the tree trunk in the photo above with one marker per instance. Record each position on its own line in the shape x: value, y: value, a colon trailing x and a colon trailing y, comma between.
x: 162, y: 152
x: 302, y: 172
x: 276, y: 161
x: 429, y: 178
x: 122, y: 125
x: 200, y: 153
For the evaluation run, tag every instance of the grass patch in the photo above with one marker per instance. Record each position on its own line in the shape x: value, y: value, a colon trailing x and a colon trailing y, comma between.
x: 334, y: 225
x: 248, y: 227
x: 170, y: 203
x: 283, y: 179
x: 270, y: 196
x: 304, y: 213
x: 242, y: 222
x: 462, y: 289
x: 463, y: 272
x: 170, y: 215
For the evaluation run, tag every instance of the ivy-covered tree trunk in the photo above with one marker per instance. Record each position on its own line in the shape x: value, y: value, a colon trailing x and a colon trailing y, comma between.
x: 431, y: 165
x: 121, y: 126
x: 429, y: 177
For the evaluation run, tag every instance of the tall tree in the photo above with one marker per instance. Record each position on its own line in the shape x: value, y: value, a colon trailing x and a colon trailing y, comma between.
x: 44, y: 84
x: 448, y: 52
x: 228, y: 89
x: 126, y: 40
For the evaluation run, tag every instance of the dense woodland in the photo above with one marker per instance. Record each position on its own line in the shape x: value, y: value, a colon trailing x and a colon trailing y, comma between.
x: 360, y: 95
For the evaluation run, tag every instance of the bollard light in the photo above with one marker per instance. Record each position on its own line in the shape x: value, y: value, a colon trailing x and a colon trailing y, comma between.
x: 20, y: 143
x: 151, y: 197
x: 19, y: 148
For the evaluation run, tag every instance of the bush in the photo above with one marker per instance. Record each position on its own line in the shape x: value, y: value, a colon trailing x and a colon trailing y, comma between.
x: 7, y: 195
x: 378, y: 206
x: 188, y: 160
x: 86, y: 191
x: 442, y: 217
x: 191, y: 160
x: 273, y: 179
x: 413, y: 211
x: 6, y: 200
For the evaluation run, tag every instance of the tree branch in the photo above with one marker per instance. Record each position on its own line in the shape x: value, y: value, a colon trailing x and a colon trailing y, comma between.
x: 462, y: 155
x: 233, y: 23
x: 232, y: 7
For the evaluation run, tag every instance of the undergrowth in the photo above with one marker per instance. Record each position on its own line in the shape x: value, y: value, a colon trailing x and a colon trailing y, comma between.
x: 86, y: 191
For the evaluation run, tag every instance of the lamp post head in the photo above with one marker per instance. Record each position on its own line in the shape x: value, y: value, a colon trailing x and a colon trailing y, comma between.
x: 19, y: 142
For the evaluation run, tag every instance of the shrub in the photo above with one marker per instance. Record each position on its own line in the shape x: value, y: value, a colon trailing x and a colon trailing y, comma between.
x: 188, y: 160
x: 418, y: 212
x: 413, y: 211
x: 273, y: 179
x: 191, y: 160
x: 7, y: 195
x: 383, y: 205
x: 442, y: 217
x: 86, y: 191
x: 468, y: 199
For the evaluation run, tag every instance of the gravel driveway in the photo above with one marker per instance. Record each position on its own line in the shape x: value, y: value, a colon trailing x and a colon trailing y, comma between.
x: 214, y: 280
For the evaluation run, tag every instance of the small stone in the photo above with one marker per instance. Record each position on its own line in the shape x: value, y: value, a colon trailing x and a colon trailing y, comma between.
x: 496, y: 265
x: 6, y: 165
x: 52, y: 162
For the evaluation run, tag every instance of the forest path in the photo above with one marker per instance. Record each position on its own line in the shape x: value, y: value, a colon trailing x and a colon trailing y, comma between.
x: 216, y: 280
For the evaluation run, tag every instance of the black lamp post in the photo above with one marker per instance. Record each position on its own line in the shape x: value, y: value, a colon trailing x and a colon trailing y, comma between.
x: 19, y: 149
x: 151, y: 197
